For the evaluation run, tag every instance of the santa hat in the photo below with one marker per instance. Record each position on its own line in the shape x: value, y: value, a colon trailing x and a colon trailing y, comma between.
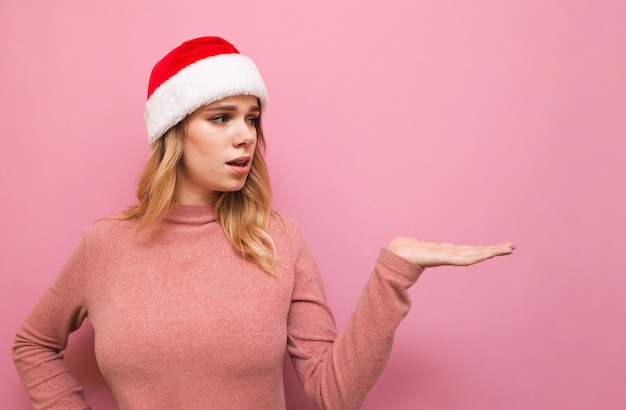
x: 197, y: 73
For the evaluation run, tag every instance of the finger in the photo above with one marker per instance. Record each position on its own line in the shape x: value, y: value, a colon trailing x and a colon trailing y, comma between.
x: 501, y: 249
x: 505, y: 248
x: 470, y: 255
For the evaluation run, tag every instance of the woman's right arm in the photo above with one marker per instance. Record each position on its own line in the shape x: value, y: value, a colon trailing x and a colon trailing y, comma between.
x: 43, y: 336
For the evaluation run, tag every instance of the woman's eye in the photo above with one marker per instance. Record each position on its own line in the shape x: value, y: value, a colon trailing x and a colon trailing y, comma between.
x: 253, y: 120
x: 219, y: 119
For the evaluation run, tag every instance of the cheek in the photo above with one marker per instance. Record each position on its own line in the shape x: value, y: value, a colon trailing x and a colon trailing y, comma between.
x: 192, y: 160
x: 199, y: 152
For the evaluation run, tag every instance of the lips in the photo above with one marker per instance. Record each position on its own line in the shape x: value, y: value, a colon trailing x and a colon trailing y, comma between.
x: 240, y: 166
x: 239, y: 163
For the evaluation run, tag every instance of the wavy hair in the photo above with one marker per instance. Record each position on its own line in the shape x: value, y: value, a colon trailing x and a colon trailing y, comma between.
x: 244, y: 214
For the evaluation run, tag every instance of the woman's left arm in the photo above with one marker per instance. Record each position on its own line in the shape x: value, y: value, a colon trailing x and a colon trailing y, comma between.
x: 337, y: 371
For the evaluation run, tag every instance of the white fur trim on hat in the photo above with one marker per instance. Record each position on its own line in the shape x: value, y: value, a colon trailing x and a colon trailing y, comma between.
x: 198, y: 84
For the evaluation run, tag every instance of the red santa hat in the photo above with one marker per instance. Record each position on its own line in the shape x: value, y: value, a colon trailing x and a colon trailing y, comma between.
x: 197, y: 73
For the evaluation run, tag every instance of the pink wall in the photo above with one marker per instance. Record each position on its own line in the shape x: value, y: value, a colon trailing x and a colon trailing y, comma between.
x: 456, y: 121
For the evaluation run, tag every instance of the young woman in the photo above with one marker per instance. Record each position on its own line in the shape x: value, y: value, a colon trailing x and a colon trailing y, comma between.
x: 195, y: 292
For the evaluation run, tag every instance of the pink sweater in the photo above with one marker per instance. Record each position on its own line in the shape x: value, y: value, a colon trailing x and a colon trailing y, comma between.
x: 183, y: 322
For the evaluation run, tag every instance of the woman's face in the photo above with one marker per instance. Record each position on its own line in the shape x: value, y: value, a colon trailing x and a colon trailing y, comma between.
x: 218, y: 149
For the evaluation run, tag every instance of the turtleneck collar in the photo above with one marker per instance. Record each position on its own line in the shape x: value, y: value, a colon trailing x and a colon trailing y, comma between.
x: 191, y: 214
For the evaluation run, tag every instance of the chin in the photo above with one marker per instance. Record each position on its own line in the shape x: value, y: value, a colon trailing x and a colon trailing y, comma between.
x: 234, y: 188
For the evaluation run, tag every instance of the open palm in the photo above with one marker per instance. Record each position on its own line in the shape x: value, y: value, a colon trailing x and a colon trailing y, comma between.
x: 431, y: 254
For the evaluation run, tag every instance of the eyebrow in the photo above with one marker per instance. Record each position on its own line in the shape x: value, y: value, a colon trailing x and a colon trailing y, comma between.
x: 225, y: 107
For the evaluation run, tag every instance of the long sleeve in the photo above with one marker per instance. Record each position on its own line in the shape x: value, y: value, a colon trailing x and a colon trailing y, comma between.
x: 337, y: 371
x: 43, y: 336
x: 177, y: 302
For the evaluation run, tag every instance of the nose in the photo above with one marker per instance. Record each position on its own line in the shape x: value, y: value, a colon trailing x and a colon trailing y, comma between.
x: 245, y: 134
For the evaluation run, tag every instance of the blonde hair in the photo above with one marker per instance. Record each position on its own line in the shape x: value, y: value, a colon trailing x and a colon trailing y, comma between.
x: 244, y: 214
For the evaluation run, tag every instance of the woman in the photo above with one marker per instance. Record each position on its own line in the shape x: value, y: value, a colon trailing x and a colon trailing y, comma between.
x: 195, y: 292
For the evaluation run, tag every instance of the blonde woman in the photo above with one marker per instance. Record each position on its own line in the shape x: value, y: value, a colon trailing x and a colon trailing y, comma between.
x: 195, y: 292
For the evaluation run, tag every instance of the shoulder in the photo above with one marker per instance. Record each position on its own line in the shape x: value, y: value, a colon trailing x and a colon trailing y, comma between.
x: 286, y: 231
x: 281, y: 224
x: 108, y: 230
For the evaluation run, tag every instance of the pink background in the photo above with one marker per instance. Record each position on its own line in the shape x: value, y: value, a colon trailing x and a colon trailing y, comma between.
x: 470, y: 122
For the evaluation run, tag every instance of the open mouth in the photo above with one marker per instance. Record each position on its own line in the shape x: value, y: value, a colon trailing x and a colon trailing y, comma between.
x: 241, y: 163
